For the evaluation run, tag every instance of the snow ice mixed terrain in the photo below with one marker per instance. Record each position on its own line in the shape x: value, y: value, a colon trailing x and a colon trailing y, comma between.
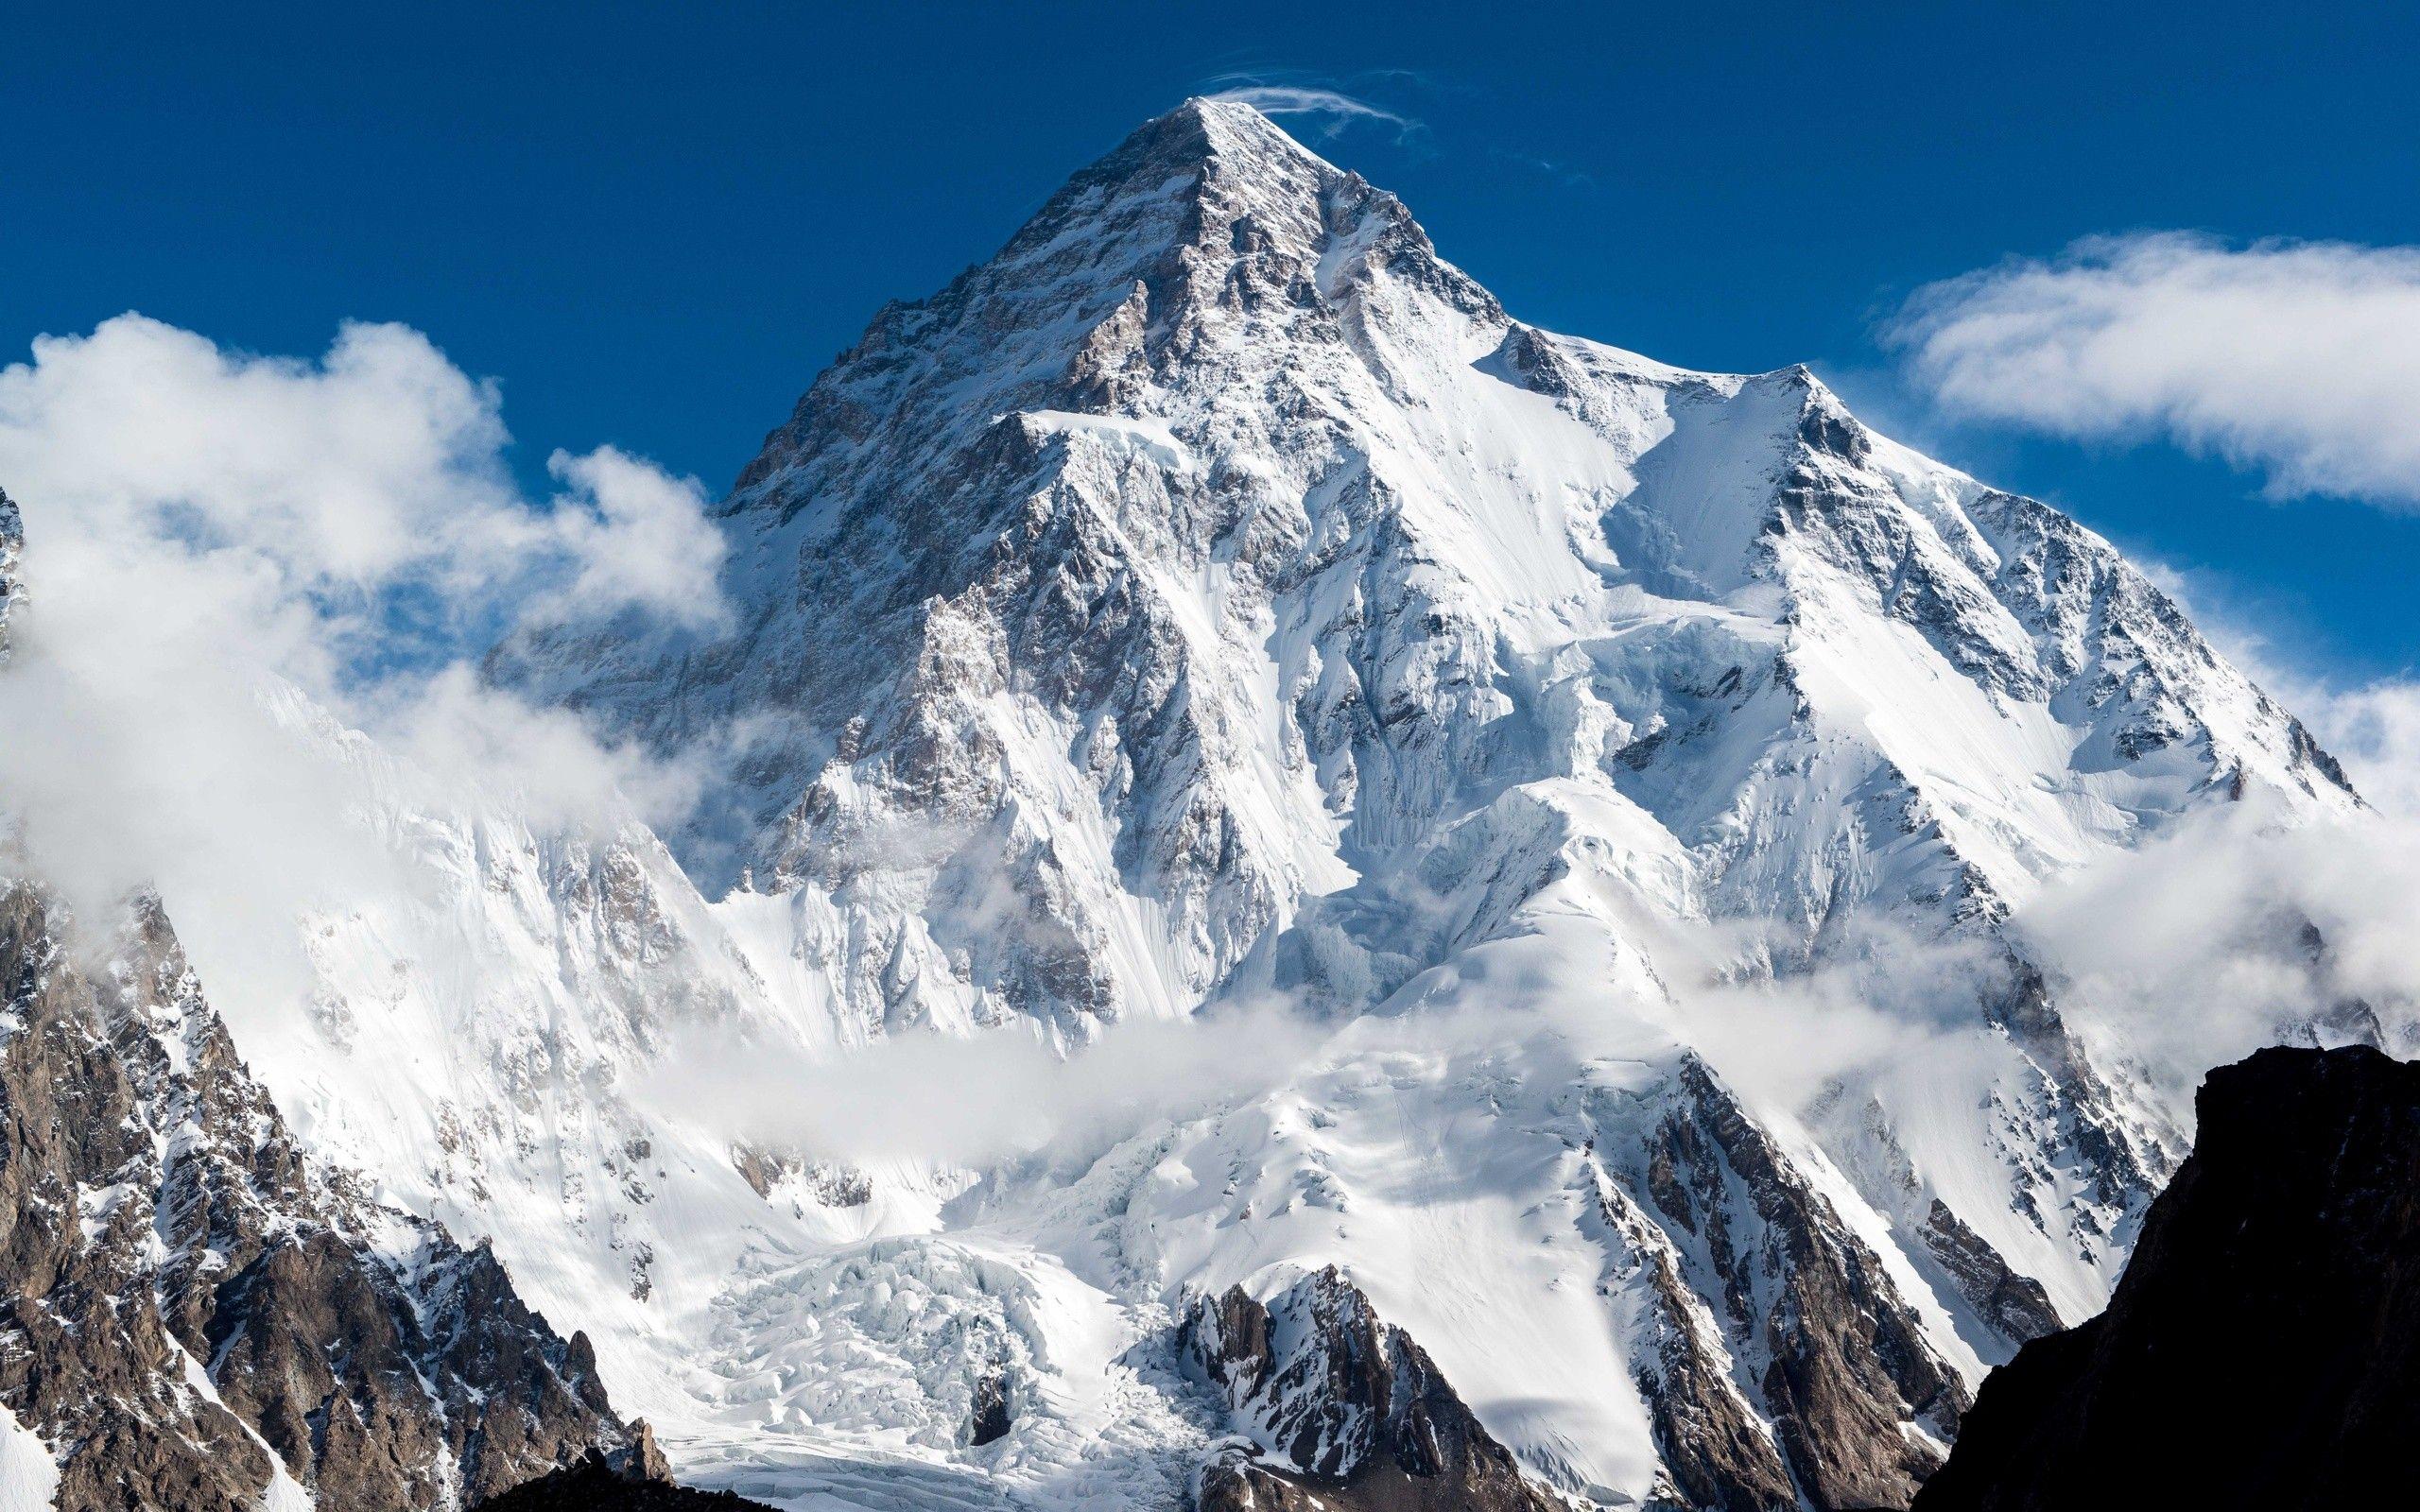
x: 1578, y: 802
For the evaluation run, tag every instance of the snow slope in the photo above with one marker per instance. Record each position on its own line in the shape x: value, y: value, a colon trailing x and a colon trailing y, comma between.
x: 1217, y: 598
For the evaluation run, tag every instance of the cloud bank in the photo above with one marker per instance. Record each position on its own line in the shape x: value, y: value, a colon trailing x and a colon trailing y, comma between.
x: 2300, y: 360
x: 223, y: 548
x: 974, y: 1102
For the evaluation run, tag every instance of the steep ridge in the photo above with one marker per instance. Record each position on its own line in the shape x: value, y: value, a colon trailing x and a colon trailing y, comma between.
x: 1343, y: 1410
x: 1217, y: 598
x: 2258, y: 1350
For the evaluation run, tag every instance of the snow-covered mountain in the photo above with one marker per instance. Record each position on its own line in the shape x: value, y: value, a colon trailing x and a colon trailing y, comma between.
x: 1219, y: 595
x: 1216, y: 603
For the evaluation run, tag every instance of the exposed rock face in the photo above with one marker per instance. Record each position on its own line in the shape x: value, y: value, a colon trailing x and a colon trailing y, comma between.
x: 1838, y: 1359
x: 2263, y: 1349
x: 2014, y: 1304
x: 1349, y: 1413
x: 190, y: 1312
x: 12, y: 545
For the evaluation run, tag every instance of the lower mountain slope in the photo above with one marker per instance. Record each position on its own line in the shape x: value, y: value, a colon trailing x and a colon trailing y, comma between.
x: 2262, y: 1350
x: 195, y: 1317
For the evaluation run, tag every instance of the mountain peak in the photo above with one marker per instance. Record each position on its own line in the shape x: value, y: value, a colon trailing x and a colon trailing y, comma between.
x: 1217, y: 158
x: 1207, y: 126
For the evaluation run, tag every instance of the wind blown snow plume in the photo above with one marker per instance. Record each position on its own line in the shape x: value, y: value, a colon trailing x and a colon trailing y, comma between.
x: 1298, y: 99
x: 2300, y: 360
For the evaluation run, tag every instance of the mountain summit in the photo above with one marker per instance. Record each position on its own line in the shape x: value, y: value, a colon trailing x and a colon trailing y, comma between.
x: 1220, y: 507
x: 1216, y: 600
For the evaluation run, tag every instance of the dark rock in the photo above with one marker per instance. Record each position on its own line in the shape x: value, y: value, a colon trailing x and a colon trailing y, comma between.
x: 2263, y: 1348
x: 2015, y: 1305
x: 1355, y: 1415
x: 595, y: 1485
x: 989, y: 1421
x: 1853, y: 1390
x: 1714, y: 1451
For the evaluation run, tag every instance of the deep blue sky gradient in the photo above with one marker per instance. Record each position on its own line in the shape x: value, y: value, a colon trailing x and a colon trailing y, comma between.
x: 654, y: 224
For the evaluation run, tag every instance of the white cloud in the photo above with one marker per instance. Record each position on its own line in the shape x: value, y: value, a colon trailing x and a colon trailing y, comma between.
x: 371, y: 482
x: 974, y: 1100
x: 640, y: 539
x: 2194, y: 951
x: 206, y: 529
x: 2373, y: 728
x: 1292, y: 100
x: 2299, y: 359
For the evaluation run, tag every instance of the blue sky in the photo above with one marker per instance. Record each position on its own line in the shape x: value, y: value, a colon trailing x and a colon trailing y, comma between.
x: 654, y: 226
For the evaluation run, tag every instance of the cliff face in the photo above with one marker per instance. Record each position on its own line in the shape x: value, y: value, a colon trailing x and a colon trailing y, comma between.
x: 2263, y: 1348
x: 193, y: 1316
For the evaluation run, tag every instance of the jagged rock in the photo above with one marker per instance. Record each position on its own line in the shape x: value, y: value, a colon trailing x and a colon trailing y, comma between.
x: 190, y: 1310
x: 2014, y: 1304
x: 12, y: 544
x: 2262, y: 1350
x: 1350, y: 1413
x: 990, y: 1421
x: 1859, y: 1398
x: 1716, y: 1451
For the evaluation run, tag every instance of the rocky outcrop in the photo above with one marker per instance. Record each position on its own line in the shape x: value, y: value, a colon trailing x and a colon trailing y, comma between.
x: 1345, y: 1412
x: 1717, y: 1452
x: 2013, y: 1303
x: 1859, y: 1398
x: 2263, y: 1348
x: 12, y: 545
x: 190, y: 1313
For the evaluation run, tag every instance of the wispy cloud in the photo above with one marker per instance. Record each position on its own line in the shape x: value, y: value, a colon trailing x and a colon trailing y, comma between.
x: 2300, y: 360
x: 1276, y: 93
x: 1555, y: 168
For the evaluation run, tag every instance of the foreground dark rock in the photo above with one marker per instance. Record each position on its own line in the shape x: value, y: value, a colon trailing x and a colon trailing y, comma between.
x: 1349, y: 1413
x: 595, y: 1485
x: 189, y: 1310
x: 2263, y: 1348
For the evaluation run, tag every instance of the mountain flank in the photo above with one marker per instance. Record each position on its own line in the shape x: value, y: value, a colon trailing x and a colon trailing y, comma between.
x: 2263, y: 1349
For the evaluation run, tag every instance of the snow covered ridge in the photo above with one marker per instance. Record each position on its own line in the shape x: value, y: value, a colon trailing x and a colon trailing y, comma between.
x: 1214, y: 605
